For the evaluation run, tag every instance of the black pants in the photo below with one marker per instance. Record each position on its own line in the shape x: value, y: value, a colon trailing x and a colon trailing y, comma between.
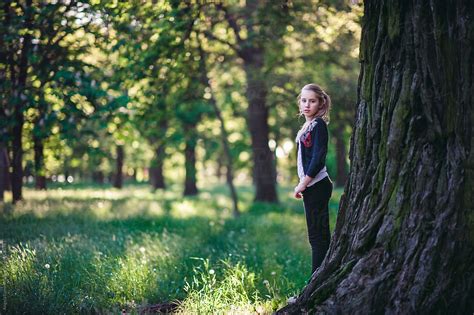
x: 316, y: 202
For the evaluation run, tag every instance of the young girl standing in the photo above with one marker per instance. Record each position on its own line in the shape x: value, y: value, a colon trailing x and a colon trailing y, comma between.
x: 315, y: 186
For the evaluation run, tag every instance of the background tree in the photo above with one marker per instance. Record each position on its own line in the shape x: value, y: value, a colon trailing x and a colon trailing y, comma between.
x: 261, y: 20
x: 403, y: 241
x: 89, y: 61
x: 46, y: 78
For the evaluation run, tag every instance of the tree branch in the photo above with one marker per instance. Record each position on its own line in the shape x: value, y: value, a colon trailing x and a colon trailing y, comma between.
x: 232, y: 22
x: 211, y: 36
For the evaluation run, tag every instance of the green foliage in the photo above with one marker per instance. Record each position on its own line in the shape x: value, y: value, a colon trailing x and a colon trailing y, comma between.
x: 92, y: 249
x: 102, y: 74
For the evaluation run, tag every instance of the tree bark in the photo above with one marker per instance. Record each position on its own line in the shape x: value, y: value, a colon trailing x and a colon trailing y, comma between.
x: 190, y: 187
x: 403, y: 240
x: 341, y: 175
x: 118, y: 178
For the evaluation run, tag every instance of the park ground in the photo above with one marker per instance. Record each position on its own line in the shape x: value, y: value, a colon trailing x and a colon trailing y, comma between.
x: 86, y: 248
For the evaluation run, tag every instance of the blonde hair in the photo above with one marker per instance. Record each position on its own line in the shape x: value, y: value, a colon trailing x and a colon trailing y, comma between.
x: 324, y: 105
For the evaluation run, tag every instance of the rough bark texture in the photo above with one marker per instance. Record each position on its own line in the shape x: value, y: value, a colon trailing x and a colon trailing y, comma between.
x: 341, y: 152
x: 403, y: 241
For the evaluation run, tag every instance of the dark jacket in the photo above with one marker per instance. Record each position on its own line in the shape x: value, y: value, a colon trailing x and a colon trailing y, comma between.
x: 314, y: 148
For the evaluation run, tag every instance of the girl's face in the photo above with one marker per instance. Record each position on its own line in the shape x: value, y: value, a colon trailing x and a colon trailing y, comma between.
x: 309, y: 103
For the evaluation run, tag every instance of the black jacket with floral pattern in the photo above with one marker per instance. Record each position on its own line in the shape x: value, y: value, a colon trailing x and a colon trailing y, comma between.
x: 314, y: 147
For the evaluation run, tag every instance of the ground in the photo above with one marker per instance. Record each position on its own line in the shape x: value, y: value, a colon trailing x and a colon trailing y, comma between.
x: 95, y: 248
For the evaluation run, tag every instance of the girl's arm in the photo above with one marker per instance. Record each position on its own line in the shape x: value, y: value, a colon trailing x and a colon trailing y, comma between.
x: 319, y: 150
x: 306, y: 180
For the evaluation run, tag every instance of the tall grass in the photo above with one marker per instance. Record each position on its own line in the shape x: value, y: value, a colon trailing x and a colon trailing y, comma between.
x: 100, y: 250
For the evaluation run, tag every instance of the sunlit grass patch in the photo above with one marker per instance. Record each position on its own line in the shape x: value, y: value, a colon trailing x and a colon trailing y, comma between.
x: 227, y: 288
x: 87, y: 250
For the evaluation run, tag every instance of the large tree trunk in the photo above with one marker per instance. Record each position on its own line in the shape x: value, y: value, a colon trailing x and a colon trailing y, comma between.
x: 264, y: 169
x: 341, y: 175
x: 40, y: 178
x: 118, y: 178
x: 403, y: 241
x: 252, y: 53
x: 190, y: 187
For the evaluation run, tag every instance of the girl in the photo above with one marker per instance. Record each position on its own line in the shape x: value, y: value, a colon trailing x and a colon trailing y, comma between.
x: 315, y: 186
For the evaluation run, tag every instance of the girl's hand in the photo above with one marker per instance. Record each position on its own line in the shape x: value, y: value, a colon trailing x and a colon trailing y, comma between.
x: 298, y: 189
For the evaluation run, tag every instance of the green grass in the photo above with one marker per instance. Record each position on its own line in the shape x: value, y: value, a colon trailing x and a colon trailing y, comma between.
x: 95, y: 249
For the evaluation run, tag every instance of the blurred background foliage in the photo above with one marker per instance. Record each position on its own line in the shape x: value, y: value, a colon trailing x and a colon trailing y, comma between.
x: 112, y: 91
x: 113, y: 111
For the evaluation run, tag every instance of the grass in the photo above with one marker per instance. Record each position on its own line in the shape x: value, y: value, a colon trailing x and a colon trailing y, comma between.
x: 97, y: 249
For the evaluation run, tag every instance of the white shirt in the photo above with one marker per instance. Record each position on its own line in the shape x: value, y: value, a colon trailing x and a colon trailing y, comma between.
x: 322, y: 173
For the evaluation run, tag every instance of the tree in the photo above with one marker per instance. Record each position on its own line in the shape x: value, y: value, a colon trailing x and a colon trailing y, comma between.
x: 3, y: 171
x: 41, y: 68
x: 152, y: 41
x: 261, y: 20
x: 403, y: 240
x: 14, y: 67
x: 224, y: 134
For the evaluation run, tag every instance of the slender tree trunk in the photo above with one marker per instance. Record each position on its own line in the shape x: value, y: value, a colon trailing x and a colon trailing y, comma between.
x: 404, y: 236
x: 157, y: 178
x: 3, y: 170
x: 40, y: 178
x: 118, y: 178
x: 224, y: 135
x: 219, y: 168
x: 341, y: 153
x: 190, y: 187
x: 20, y: 102
x: 17, y: 157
